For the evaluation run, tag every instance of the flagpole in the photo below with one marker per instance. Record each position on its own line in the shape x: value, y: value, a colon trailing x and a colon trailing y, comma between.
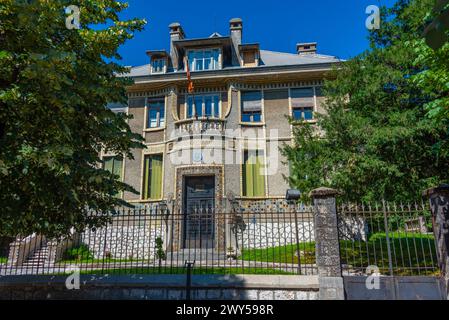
x: 190, y: 87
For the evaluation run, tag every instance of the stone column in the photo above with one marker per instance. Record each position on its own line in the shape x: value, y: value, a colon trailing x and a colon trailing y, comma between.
x: 327, y: 245
x: 439, y: 206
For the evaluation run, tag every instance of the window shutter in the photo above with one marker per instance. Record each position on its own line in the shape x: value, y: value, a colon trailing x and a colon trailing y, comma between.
x: 251, y: 101
x: 118, y: 162
x: 302, y: 97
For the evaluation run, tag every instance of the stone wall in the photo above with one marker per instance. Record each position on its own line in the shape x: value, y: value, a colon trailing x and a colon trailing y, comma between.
x: 272, y: 234
x: 162, y: 287
x: 128, y: 242
x: 353, y: 228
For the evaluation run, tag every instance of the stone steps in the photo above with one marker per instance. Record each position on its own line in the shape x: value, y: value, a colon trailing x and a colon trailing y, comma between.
x: 37, y: 259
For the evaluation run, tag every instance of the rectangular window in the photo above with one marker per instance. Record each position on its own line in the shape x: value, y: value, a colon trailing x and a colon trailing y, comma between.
x: 253, y: 175
x: 207, y: 59
x: 251, y: 106
x: 303, y: 103
x: 157, y: 65
x: 152, y: 177
x: 305, y: 113
x: 156, y: 113
x: 203, y: 106
x: 113, y: 165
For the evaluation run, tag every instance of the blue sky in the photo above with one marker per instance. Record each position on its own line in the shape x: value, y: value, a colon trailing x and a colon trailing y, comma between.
x: 337, y: 25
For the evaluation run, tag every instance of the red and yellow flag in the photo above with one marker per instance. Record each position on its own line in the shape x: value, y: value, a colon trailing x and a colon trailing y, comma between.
x: 190, y: 87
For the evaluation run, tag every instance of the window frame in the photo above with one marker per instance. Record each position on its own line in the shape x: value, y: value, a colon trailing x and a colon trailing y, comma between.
x: 302, y: 110
x: 312, y: 104
x: 203, y: 97
x: 159, y: 119
x: 217, y: 64
x: 245, y: 155
x: 164, y: 65
x: 114, y: 158
x: 145, y: 192
x: 251, y: 114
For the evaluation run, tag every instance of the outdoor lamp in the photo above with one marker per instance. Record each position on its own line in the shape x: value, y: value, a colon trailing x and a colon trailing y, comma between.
x: 292, y: 194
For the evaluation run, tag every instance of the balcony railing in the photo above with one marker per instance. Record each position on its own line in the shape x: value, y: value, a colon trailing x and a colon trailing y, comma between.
x: 200, y: 125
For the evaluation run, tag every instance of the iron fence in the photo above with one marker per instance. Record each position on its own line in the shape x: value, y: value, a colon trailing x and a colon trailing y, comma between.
x: 161, y: 239
x: 246, y: 237
x: 390, y: 239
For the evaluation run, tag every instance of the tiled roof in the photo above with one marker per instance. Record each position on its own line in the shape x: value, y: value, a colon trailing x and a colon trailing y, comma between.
x: 268, y: 59
x: 272, y: 58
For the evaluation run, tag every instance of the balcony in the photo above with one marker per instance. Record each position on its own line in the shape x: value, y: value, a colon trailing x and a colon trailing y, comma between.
x: 200, y: 126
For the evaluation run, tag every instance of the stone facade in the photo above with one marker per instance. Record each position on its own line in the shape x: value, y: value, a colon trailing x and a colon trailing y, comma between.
x: 219, y: 140
x: 126, y: 243
x: 273, y: 234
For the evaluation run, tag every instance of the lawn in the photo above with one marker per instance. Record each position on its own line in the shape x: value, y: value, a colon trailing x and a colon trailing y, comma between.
x: 412, y: 254
x: 82, y: 254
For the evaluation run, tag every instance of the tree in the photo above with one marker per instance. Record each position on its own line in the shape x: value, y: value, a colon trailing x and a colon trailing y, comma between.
x: 374, y: 141
x: 54, y: 85
x: 433, y: 79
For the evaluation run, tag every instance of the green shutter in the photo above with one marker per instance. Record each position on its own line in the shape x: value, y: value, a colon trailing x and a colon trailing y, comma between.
x: 108, y: 164
x: 156, y: 177
x: 152, y: 183
x: 253, y: 178
x: 249, y: 175
x: 117, y: 170
x: 259, y: 176
x: 146, y: 177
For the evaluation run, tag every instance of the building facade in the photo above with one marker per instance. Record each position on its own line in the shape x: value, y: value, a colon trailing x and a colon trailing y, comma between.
x: 223, y: 137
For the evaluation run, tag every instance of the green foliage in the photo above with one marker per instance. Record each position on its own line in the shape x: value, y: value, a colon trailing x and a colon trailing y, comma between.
x: 54, y: 86
x: 160, y: 254
x: 412, y: 253
x: 433, y: 80
x: 80, y: 253
x: 375, y: 141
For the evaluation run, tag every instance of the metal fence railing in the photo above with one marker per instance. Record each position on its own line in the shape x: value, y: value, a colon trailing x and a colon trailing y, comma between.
x: 389, y: 238
x: 248, y: 237
x: 158, y: 240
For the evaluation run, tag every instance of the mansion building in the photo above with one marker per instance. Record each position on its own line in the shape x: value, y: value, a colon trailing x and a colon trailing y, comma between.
x: 224, y: 136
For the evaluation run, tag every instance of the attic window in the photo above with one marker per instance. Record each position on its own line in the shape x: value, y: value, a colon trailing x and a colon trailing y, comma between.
x: 250, y: 58
x: 204, y: 59
x: 158, y: 65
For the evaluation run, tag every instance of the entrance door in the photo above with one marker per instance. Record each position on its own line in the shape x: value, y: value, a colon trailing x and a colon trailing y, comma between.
x: 199, y: 209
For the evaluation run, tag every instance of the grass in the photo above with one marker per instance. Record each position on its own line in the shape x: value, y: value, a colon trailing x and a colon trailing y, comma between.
x: 3, y: 259
x: 181, y: 270
x: 92, y: 260
x: 282, y: 254
x: 412, y: 254
x: 82, y: 254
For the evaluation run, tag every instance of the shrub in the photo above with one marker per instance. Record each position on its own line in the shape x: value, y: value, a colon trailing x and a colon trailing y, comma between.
x: 81, y: 252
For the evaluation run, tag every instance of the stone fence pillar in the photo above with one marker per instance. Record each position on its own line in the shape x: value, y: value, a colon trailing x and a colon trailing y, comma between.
x: 439, y: 206
x: 327, y: 245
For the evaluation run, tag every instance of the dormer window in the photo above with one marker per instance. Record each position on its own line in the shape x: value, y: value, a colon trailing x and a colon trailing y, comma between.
x: 158, y: 65
x: 204, y: 59
x: 249, y: 54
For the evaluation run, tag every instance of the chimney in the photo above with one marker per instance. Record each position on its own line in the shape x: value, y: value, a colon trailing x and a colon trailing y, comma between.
x: 236, y: 30
x: 236, y: 27
x: 306, y: 48
x: 176, y: 33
